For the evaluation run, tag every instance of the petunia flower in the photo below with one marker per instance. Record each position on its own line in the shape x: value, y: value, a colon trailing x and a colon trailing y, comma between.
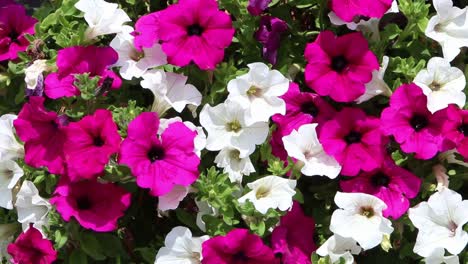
x: 10, y: 173
x: 442, y: 84
x: 170, y: 90
x: 159, y: 162
x: 409, y: 121
x: 391, y: 183
x: 31, y: 207
x: 93, y: 136
x: 269, y: 35
x: 440, y: 223
x: 102, y: 17
x: 438, y: 256
x: 31, y: 247
x: 235, y: 166
x: 449, y: 27
x: 359, y: 217
x: 171, y: 200
x: 43, y: 133
x: 96, y: 206
x: 132, y: 62
x: 33, y: 74
x: 200, y: 139
x: 303, y: 145
x: 455, y: 129
x: 14, y: 25
x: 270, y: 192
x: 349, y: 10
x: 256, y: 7
x: 79, y: 60
x: 293, y: 237
x: 226, y: 127
x: 354, y: 140
x: 339, y: 67
x: 10, y: 148
x: 377, y: 85
x: 237, y: 246
x: 337, y: 247
x: 180, y: 247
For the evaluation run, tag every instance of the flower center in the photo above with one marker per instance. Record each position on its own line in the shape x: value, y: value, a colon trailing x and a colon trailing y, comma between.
x: 353, y: 137
x: 262, y: 192
x: 418, y: 122
x: 435, y: 86
x: 453, y: 228
x: 156, y: 153
x: 234, y: 154
x: 309, y: 108
x: 98, y: 141
x: 83, y: 203
x: 367, y: 211
x: 254, y: 91
x: 463, y: 128
x: 13, y: 35
x: 380, y: 179
x: 233, y: 126
x: 136, y: 55
x: 194, y: 30
x: 339, y: 63
x: 240, y: 257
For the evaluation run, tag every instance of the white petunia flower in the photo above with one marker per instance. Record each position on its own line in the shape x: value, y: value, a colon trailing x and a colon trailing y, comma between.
x: 170, y: 90
x: 10, y: 173
x: 377, y: 85
x: 31, y: 207
x: 440, y: 223
x: 226, y: 127
x: 258, y: 91
x: 449, y: 27
x: 171, y: 200
x: 270, y: 192
x: 181, y: 248
x: 442, y: 84
x: 438, y: 257
x: 200, y: 139
x: 304, y: 146
x: 102, y: 17
x: 360, y: 217
x: 204, y: 208
x: 135, y: 63
x: 235, y: 166
x: 337, y: 247
x: 34, y: 72
x: 7, y: 235
x: 440, y: 173
x: 10, y: 148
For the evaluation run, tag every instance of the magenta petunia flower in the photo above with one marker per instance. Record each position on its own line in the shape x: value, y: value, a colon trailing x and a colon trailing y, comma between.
x: 294, y: 237
x: 78, y: 60
x: 339, y: 67
x: 200, y: 35
x: 160, y: 162
x: 14, y: 25
x: 391, y: 183
x: 30, y: 247
x: 236, y: 247
x: 354, y: 140
x: 353, y: 10
x: 301, y: 108
x: 43, y: 134
x: 256, y: 7
x: 412, y: 125
x: 454, y: 129
x: 93, y: 136
x: 269, y: 35
x: 96, y: 206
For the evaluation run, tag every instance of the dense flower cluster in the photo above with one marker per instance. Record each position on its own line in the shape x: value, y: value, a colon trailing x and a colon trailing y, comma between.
x: 231, y: 132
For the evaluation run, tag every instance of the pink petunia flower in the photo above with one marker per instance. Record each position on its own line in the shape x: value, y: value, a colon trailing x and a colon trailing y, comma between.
x: 454, y: 129
x: 96, y: 206
x: 301, y: 108
x: 354, y: 140
x: 391, y: 183
x: 30, y: 247
x: 79, y: 60
x: 412, y: 125
x: 237, y: 246
x: 93, y: 136
x: 14, y: 25
x: 200, y: 35
x: 339, y: 67
x: 256, y: 7
x: 294, y: 237
x: 43, y: 134
x: 160, y: 162
x: 354, y: 10
x: 269, y: 35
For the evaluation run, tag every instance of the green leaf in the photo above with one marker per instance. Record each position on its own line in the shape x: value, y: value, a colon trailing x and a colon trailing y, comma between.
x: 78, y: 257
x: 90, y: 245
